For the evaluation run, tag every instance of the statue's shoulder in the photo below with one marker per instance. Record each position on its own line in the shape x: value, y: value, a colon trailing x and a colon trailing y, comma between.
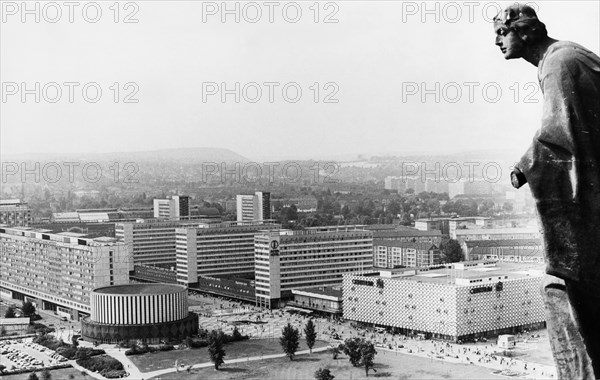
x: 567, y: 55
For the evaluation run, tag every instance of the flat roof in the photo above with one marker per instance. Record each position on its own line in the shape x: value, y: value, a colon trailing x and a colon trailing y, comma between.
x: 323, y: 290
x: 140, y: 289
x: 447, y: 276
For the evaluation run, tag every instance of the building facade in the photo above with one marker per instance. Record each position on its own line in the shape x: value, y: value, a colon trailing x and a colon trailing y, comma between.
x: 395, y: 253
x: 147, y: 312
x: 454, y: 302
x: 315, y: 257
x: 254, y: 207
x: 59, y: 271
x: 152, y: 242
x: 13, y: 212
x: 178, y: 206
x: 217, y: 250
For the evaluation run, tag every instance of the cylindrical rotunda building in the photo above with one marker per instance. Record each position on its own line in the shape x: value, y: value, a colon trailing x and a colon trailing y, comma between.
x: 150, y: 312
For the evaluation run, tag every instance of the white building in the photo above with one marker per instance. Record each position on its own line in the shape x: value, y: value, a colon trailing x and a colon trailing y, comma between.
x: 253, y: 207
x: 59, y: 271
x: 458, y: 300
x: 315, y: 257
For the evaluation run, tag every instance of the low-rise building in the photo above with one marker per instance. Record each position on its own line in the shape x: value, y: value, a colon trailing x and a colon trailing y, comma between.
x: 453, y: 301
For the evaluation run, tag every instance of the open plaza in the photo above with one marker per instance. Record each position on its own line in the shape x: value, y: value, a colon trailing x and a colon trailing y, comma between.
x: 255, y: 358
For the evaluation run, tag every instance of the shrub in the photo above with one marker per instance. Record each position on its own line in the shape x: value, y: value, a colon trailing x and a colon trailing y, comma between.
x: 103, y: 364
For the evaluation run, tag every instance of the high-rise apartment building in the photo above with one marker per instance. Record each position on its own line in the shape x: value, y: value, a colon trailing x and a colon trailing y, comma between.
x: 178, y: 206
x: 286, y: 260
x: 59, y: 271
x: 254, y: 207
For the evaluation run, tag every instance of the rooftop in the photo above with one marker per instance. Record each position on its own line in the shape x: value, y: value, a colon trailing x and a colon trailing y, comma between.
x: 449, y: 273
x: 140, y: 289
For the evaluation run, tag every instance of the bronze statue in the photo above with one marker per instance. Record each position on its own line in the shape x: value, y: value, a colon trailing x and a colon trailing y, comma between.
x: 562, y: 168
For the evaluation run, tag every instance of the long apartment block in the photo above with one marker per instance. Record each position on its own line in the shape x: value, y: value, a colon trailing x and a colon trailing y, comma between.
x: 59, y: 271
x: 286, y: 259
x: 217, y: 250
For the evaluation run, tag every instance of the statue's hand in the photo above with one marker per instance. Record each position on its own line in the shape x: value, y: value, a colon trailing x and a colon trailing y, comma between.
x: 517, y: 178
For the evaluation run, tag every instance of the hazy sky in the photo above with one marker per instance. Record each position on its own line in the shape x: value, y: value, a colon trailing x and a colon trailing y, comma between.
x: 376, y: 60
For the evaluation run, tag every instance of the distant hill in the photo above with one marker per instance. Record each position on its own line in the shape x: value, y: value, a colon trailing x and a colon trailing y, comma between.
x: 188, y: 155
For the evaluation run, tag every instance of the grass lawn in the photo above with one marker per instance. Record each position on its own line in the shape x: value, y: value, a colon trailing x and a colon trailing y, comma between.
x: 254, y: 347
x: 389, y: 365
x: 57, y: 374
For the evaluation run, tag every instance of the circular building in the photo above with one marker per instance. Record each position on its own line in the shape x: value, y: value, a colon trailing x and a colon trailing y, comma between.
x: 149, y: 312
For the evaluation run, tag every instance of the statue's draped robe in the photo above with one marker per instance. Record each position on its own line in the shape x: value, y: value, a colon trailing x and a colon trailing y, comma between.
x: 562, y: 166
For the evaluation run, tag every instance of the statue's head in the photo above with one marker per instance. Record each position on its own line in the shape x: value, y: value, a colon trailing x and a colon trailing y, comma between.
x: 518, y: 27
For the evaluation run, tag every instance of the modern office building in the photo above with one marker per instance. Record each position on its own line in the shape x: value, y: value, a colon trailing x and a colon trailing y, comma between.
x: 395, y: 253
x: 455, y: 301
x: 152, y: 241
x: 59, y: 271
x: 217, y: 250
x: 176, y: 207
x: 147, y: 312
x: 254, y: 207
x: 13, y: 212
x: 315, y: 257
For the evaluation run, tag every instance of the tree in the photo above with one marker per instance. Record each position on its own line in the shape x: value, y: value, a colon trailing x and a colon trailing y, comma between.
x: 368, y: 353
x: 311, y: 334
x: 323, y: 374
x: 290, y: 340
x: 451, y: 251
x: 28, y: 309
x: 2, y: 367
x: 33, y: 376
x: 46, y: 374
x: 10, y: 312
x: 215, y: 348
x: 352, y: 348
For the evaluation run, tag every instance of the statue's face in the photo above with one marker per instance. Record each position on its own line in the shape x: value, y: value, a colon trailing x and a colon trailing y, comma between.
x: 509, y: 42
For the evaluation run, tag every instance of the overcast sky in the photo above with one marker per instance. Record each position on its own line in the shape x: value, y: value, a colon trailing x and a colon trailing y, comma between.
x: 370, y: 68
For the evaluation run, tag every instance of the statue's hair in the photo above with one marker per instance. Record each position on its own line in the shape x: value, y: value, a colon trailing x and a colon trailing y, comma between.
x: 522, y: 19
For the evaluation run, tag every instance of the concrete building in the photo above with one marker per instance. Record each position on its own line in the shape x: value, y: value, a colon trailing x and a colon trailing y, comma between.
x: 178, y: 206
x: 254, y: 207
x: 216, y: 250
x: 495, y: 233
x: 59, y: 271
x: 152, y: 241
x: 409, y: 234
x: 515, y: 250
x: 147, y: 312
x: 13, y: 212
x: 454, y: 302
x: 395, y: 253
x: 315, y: 257
x: 325, y: 299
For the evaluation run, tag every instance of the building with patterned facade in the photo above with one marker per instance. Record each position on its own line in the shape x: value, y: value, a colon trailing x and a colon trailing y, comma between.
x: 314, y: 257
x: 454, y: 301
x: 147, y: 312
x: 59, y: 271
x: 217, y: 250
x: 13, y: 212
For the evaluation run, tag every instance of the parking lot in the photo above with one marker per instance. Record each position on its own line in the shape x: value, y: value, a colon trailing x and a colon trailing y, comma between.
x: 23, y: 354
